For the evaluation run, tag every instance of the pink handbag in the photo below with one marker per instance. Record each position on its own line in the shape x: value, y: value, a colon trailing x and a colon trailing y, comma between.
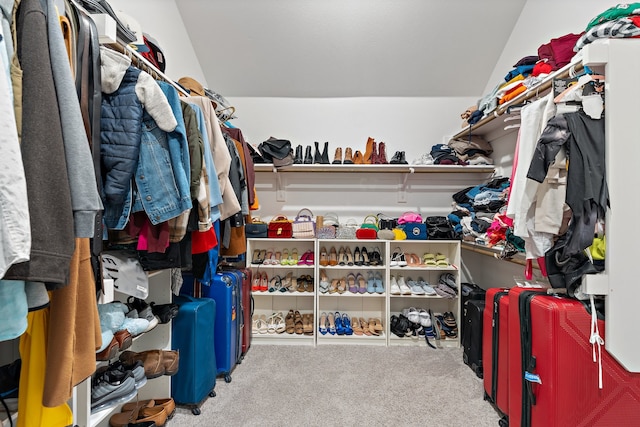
x: 409, y: 217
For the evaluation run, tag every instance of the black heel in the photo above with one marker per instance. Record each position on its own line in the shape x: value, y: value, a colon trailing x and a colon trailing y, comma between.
x: 365, y: 256
x: 357, y: 257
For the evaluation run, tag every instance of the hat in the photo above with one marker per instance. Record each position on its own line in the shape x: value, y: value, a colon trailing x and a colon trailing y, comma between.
x: 135, y: 27
x: 155, y: 54
x: 192, y: 85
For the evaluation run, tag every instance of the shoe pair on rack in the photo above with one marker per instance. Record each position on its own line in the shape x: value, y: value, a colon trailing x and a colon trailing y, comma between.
x: 375, y: 154
x: 318, y: 157
x: 399, y: 158
x: 151, y: 412
x: 156, y: 362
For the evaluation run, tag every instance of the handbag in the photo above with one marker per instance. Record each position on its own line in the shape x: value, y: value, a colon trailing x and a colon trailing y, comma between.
x: 304, y: 227
x: 277, y: 151
x: 280, y: 228
x: 366, y: 233
x: 329, y: 226
x: 256, y: 229
x: 347, y: 230
x: 399, y: 234
x: 386, y: 222
x: 409, y: 217
x: 370, y: 221
x: 415, y: 230
x: 439, y: 228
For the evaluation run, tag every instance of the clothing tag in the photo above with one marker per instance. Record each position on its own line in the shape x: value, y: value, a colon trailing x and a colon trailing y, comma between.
x: 593, y: 106
x: 534, y: 378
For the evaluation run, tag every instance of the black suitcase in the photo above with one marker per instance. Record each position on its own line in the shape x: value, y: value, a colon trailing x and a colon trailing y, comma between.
x: 472, y: 336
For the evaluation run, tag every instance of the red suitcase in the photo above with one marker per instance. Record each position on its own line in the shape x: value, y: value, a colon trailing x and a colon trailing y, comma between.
x: 556, y: 349
x: 495, y: 348
x: 515, y: 355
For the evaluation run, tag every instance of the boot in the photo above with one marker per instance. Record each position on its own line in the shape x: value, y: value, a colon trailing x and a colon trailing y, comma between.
x: 368, y: 152
x: 381, y: 158
x: 317, y: 157
x: 396, y: 158
x: 348, y: 156
x: 337, y: 158
x: 403, y: 158
x: 358, y: 158
x: 308, y: 159
x: 297, y: 160
x: 324, y: 159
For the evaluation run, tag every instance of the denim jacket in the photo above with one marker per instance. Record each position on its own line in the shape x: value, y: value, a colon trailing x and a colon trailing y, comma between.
x: 162, y: 177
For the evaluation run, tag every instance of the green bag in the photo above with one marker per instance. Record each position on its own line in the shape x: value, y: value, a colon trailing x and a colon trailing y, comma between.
x: 370, y: 221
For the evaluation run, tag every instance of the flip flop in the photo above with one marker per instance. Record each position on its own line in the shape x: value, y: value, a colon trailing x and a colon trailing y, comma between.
x: 442, y: 261
x: 429, y: 260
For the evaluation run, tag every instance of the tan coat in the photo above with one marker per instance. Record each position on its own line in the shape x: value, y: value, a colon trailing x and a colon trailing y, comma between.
x: 74, y: 330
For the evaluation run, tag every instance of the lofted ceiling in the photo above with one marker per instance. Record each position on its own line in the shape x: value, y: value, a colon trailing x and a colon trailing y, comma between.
x: 349, y: 48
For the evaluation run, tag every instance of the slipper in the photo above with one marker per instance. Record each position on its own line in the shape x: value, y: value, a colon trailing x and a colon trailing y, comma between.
x: 429, y: 260
x: 442, y: 261
x: 413, y: 315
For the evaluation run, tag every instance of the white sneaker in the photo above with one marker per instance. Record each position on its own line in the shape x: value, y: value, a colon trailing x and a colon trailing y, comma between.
x: 394, y: 288
x: 404, y: 289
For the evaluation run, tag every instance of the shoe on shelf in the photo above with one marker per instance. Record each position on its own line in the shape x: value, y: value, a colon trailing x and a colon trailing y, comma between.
x: 324, y: 158
x: 369, y: 151
x: 317, y: 156
x: 156, y: 362
x: 357, y: 257
x: 346, y: 324
x: 324, y: 257
x: 394, y: 289
x: 404, y: 289
x: 358, y: 158
x: 109, y: 351
x: 297, y: 159
x: 136, y: 368
x: 111, y: 387
x: 332, y: 323
x: 168, y: 404
x: 337, y: 157
x: 397, y: 258
x: 323, y: 324
x: 416, y: 289
x: 428, y: 290
x: 352, y: 283
x: 155, y: 414
x: 165, y: 312
x: 364, y: 325
x: 323, y: 287
x: 338, y: 323
x: 381, y: 158
x: 371, y: 283
x: 308, y: 158
x: 348, y: 156
x: 378, y: 283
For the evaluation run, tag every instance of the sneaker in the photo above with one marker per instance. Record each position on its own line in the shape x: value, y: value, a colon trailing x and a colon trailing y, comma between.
x: 416, y: 289
x: 112, y: 387
x: 394, y: 289
x: 136, y: 368
x: 404, y: 289
x: 428, y: 289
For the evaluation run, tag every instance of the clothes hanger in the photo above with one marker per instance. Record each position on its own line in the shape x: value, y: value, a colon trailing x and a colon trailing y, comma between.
x: 582, y: 81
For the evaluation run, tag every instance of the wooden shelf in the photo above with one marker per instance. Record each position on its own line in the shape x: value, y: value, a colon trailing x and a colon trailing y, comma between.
x: 268, y: 167
x: 488, y: 124
x: 519, y: 258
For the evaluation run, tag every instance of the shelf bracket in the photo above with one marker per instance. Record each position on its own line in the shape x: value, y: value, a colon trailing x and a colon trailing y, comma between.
x: 281, y: 194
x: 402, y: 191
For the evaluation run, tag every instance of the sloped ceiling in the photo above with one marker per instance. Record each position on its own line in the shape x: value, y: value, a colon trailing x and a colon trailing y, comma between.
x: 348, y: 48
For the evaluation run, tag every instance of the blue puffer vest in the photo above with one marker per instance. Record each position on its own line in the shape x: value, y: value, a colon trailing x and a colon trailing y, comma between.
x: 120, y: 136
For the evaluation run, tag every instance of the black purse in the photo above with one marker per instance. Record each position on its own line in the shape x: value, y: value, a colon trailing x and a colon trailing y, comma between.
x: 256, y: 229
x: 386, y: 222
x: 277, y: 151
x: 439, y: 228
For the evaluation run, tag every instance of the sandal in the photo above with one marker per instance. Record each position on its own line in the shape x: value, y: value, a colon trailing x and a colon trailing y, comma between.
x: 286, y: 259
x: 429, y: 260
x: 413, y: 260
x: 289, y: 323
x: 302, y: 283
x: 362, y: 284
x: 342, y: 286
x: 293, y: 258
x: 398, y: 258
x: 346, y: 324
x: 280, y: 323
x: 308, y: 286
x: 338, y: 321
x: 332, y: 324
x: 261, y: 324
x: 355, y: 325
x: 334, y: 286
x: 272, y: 324
x: 275, y: 284
x: 364, y: 325
x: 324, y: 282
x: 322, y: 327
x: 442, y: 261
x: 297, y: 321
x: 307, y: 324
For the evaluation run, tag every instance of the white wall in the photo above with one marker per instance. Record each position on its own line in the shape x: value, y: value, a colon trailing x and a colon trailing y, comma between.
x: 541, y: 21
x: 412, y: 125
x: 162, y: 21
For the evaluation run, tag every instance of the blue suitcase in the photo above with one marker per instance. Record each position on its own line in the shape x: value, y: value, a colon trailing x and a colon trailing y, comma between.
x: 193, y: 335
x: 226, y: 290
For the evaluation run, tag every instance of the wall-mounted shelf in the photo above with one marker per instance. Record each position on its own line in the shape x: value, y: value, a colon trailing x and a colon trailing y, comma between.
x: 268, y: 167
x: 519, y: 258
x: 489, y: 124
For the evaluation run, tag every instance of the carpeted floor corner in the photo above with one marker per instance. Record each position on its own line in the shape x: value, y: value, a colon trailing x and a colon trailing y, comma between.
x: 346, y: 386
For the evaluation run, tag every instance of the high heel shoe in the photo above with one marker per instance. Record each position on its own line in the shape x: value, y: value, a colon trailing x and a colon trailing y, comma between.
x: 342, y: 286
x: 334, y: 286
x: 379, y: 286
x: 371, y: 283
x: 365, y: 256
x: 362, y: 284
x: 322, y: 327
x: 324, y: 257
x: 342, y: 257
x: 333, y: 256
x: 332, y: 323
x: 338, y: 321
x: 324, y: 282
x: 357, y: 257
x: 346, y: 324
x: 365, y: 326
x: 352, y: 284
x: 349, y: 256
x: 264, y: 283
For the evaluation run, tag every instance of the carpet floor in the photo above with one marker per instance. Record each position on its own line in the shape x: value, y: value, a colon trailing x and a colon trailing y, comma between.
x: 346, y: 386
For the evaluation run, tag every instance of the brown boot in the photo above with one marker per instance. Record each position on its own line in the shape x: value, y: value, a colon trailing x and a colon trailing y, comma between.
x: 348, y: 156
x: 170, y: 360
x: 358, y: 158
x: 382, y: 154
x: 152, y: 360
x: 369, y: 151
x: 337, y: 158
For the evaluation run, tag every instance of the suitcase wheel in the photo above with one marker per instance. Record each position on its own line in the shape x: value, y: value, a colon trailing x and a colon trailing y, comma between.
x: 212, y: 393
x: 504, y: 422
x: 196, y: 411
x: 227, y: 378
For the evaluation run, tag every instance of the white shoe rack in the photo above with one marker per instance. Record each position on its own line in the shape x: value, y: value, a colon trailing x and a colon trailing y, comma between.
x: 367, y: 305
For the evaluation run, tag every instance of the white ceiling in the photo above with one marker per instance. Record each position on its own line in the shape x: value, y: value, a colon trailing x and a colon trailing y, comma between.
x: 349, y: 48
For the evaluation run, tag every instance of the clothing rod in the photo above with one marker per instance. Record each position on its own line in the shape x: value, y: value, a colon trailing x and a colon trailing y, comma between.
x: 142, y: 63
